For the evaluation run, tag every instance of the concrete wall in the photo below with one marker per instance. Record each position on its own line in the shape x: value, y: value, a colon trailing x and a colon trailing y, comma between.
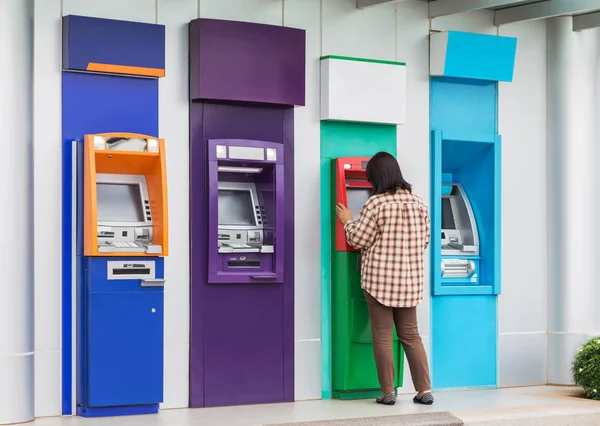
x: 389, y: 32
x: 573, y: 194
x: 522, y: 307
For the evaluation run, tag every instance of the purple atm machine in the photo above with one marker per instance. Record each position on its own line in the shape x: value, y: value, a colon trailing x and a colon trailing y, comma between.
x: 245, y: 80
x: 245, y: 207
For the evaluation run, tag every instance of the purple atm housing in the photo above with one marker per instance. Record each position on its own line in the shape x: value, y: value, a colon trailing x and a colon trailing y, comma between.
x: 241, y: 266
x: 245, y: 80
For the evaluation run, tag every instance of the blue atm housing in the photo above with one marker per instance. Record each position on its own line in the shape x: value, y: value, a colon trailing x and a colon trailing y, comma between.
x: 466, y: 150
x: 121, y: 329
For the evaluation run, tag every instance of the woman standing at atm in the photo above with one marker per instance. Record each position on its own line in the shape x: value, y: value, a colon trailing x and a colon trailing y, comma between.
x: 392, y: 232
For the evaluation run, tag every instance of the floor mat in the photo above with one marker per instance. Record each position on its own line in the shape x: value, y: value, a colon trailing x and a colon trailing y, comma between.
x: 430, y: 419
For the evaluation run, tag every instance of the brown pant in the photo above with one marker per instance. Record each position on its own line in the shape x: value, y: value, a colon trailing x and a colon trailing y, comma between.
x: 383, y: 319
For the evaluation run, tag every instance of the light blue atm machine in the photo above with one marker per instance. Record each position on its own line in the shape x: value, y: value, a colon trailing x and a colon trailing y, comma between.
x: 465, y: 250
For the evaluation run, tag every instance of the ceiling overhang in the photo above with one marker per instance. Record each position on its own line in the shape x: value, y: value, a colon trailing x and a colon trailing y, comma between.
x: 450, y: 7
x: 545, y: 9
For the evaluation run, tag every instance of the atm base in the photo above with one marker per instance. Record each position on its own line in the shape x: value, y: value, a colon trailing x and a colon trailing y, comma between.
x: 352, y: 395
x: 117, y: 411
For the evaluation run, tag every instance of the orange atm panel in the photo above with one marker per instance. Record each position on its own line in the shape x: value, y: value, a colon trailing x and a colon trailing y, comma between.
x: 125, y: 195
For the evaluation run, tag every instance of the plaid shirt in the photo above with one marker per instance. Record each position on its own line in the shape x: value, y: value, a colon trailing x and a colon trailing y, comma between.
x: 392, y: 232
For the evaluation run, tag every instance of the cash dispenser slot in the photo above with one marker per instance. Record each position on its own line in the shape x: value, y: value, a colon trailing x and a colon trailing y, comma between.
x: 457, y: 268
x: 232, y: 263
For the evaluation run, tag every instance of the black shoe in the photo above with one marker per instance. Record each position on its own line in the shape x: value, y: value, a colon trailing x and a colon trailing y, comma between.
x: 425, y: 399
x: 387, y: 399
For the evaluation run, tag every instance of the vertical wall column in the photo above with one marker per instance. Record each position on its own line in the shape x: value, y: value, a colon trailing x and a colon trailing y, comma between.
x: 16, y: 286
x: 571, y: 210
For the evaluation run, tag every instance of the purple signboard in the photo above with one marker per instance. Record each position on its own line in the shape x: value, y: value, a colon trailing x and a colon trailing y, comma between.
x: 244, y: 62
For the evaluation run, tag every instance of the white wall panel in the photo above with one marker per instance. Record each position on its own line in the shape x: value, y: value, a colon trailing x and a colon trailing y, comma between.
x: 258, y: 11
x: 572, y: 138
x: 522, y: 124
x: 522, y: 359
x: 174, y: 127
x: 562, y: 348
x: 307, y: 381
x: 413, y: 136
x: 47, y: 193
x: 477, y: 21
x: 47, y: 383
x: 304, y: 14
x: 176, y: 387
x: 16, y: 190
x: 47, y: 173
x: 124, y: 10
x: 368, y: 33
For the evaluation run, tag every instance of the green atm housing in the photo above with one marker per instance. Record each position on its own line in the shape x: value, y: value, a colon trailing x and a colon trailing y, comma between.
x: 353, y: 363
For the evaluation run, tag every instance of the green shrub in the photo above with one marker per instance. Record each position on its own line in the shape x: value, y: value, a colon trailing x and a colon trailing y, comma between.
x: 586, y: 368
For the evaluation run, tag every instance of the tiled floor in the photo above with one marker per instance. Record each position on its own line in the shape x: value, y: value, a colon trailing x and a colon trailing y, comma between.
x: 473, y: 407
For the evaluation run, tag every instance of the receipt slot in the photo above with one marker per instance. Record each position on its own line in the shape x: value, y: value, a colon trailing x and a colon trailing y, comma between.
x: 120, y: 297
x: 354, y: 375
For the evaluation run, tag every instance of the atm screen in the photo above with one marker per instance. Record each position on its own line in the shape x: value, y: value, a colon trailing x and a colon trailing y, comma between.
x: 235, y: 208
x: 357, y: 197
x: 447, y: 216
x: 119, y: 202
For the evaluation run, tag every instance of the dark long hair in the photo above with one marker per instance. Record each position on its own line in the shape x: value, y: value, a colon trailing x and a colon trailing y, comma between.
x: 384, y: 174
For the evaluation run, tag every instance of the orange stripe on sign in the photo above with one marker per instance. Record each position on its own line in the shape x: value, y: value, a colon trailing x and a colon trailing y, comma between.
x: 124, y: 69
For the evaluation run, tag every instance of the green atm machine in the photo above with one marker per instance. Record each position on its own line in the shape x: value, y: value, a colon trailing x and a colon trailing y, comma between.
x: 353, y: 363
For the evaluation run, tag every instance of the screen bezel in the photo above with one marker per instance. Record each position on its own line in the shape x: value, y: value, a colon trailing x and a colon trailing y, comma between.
x: 245, y: 187
x: 114, y: 179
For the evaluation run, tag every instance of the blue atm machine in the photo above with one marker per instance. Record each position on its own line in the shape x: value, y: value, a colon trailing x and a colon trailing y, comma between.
x: 123, y: 234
